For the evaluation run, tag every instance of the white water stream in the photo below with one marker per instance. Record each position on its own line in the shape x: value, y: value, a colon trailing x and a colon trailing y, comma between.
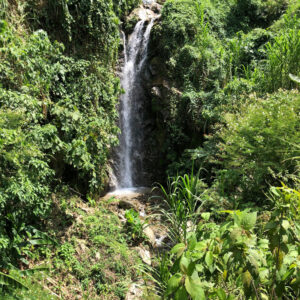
x: 130, y: 153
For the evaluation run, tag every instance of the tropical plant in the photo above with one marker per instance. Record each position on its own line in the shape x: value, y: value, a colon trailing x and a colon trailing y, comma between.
x: 135, y: 226
x: 233, y: 257
x: 283, y: 55
x: 183, y: 199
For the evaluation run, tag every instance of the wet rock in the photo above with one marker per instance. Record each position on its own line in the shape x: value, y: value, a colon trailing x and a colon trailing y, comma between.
x: 141, y: 13
x: 155, y: 92
x: 155, y: 7
x: 144, y: 254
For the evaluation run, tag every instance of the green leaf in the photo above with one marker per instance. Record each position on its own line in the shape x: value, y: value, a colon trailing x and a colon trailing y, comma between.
x: 263, y: 244
x: 285, y: 224
x: 221, y: 294
x: 248, y: 220
x: 178, y: 249
x: 288, y: 274
x: 174, y: 283
x: 181, y: 294
x: 201, y: 246
x: 191, y: 269
x: 294, y: 78
x: 205, y: 216
x: 209, y: 258
x: 40, y: 242
x: 11, y: 282
x: 192, y: 241
x: 184, y: 264
x: 194, y: 288
x: 247, y: 279
x: 271, y: 225
x: 263, y: 274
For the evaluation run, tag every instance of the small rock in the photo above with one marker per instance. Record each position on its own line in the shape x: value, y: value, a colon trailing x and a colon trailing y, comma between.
x: 156, y: 92
x: 135, y: 291
x: 81, y: 247
x: 145, y: 255
x: 122, y: 218
x: 142, y: 213
x: 149, y: 233
x: 98, y: 256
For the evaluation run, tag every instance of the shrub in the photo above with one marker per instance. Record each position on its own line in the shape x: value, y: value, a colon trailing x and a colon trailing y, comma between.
x: 24, y: 189
x: 283, y: 55
x: 258, y: 144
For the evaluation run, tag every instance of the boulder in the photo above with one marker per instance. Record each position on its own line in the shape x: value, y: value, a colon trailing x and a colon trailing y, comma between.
x: 155, y: 7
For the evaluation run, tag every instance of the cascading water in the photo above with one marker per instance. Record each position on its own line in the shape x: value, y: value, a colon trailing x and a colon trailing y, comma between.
x: 129, y: 172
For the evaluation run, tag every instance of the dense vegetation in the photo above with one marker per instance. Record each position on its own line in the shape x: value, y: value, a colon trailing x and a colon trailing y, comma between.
x: 230, y: 109
x: 58, y: 94
x: 219, y: 61
x: 228, y: 105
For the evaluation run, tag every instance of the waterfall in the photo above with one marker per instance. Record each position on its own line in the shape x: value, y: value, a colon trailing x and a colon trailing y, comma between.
x: 130, y: 152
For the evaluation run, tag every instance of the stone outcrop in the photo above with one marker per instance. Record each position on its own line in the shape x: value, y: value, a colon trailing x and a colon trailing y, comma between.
x: 144, y: 12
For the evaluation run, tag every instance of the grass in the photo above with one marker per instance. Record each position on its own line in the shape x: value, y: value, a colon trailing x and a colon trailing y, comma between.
x: 92, y: 261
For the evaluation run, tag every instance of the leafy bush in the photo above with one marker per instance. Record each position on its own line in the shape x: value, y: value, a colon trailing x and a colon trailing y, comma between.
x: 183, y: 198
x: 85, y: 27
x: 123, y: 7
x: 246, y: 15
x: 58, y: 113
x: 257, y: 145
x: 24, y: 189
x: 134, y: 226
x: 283, y: 55
x: 244, y: 257
x: 77, y: 133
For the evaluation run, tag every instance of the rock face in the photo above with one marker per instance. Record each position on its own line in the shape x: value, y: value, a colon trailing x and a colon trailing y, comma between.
x: 145, y: 12
x: 150, y: 10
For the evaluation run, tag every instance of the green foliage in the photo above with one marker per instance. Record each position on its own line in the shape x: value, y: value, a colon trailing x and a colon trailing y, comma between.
x: 213, y: 55
x: 85, y: 27
x: 72, y: 131
x: 58, y: 113
x: 258, y: 145
x: 246, y: 15
x: 134, y: 225
x: 183, y: 199
x: 234, y: 260
x: 123, y: 7
x: 19, y: 284
x: 283, y: 55
x: 9, y: 284
x: 24, y: 188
